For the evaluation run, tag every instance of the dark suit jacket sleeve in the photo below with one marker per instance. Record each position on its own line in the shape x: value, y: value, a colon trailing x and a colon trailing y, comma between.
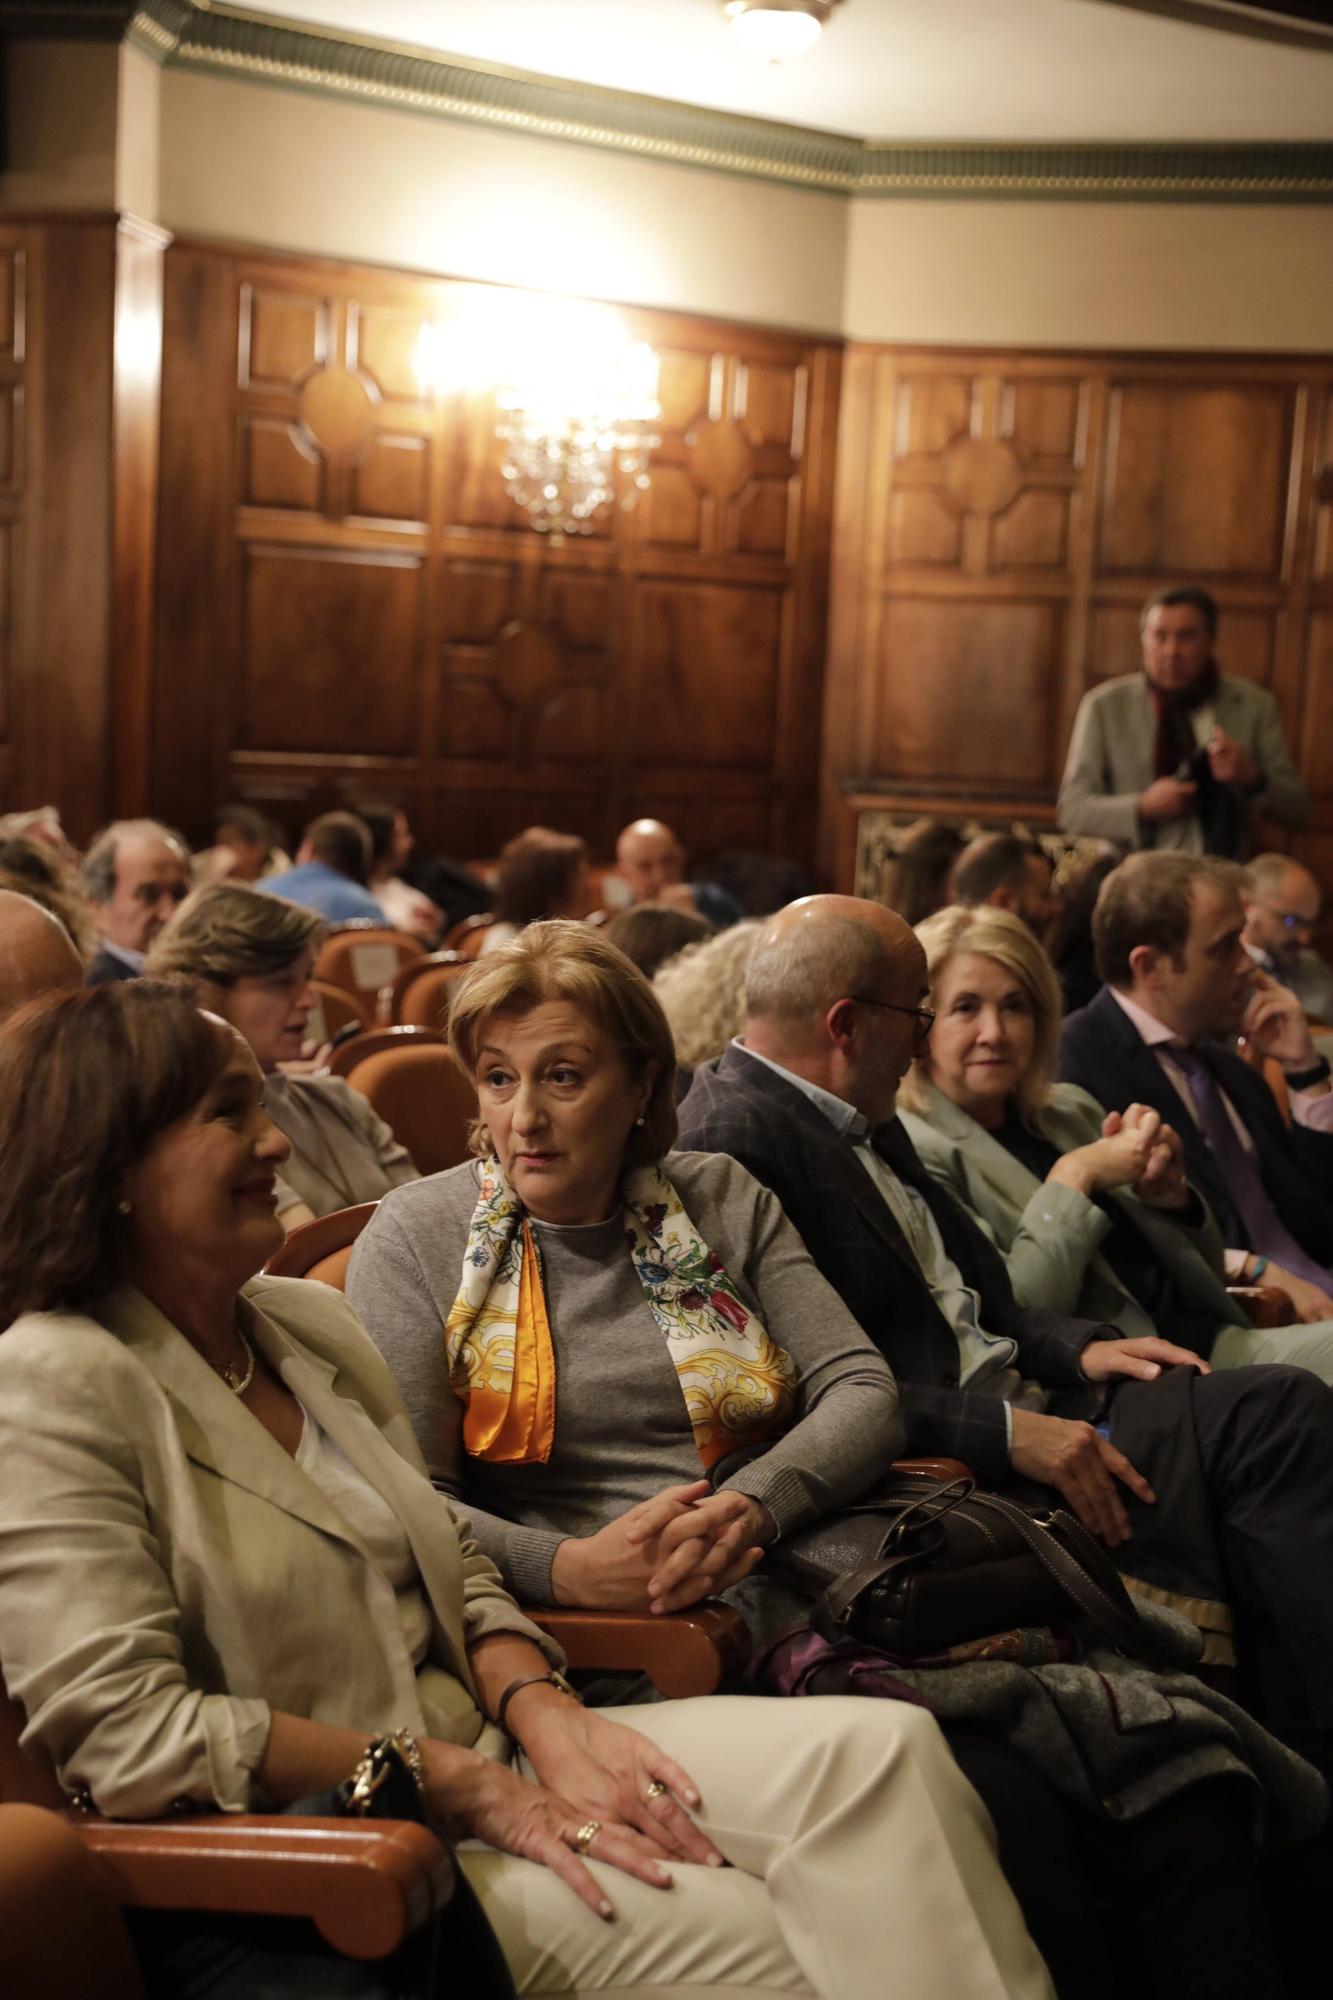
x: 940, y: 1417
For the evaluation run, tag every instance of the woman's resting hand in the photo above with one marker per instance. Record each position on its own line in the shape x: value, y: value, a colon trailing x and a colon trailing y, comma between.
x: 470, y: 1796
x: 604, y: 1771
x: 683, y: 1544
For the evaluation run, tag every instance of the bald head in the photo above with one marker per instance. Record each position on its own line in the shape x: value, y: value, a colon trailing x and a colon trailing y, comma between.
x: 650, y: 858
x: 832, y: 989
x: 36, y: 954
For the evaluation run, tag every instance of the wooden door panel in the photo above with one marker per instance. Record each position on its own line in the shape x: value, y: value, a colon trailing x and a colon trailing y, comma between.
x: 1044, y: 420
x: 930, y: 413
x: 283, y: 336
x: 1033, y: 533
x: 1196, y: 480
x: 331, y: 646
x: 708, y: 660
x: 964, y: 691
x: 280, y: 467
x: 392, y: 481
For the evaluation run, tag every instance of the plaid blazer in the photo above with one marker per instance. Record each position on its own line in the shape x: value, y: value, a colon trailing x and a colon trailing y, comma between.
x: 740, y: 1106
x: 1102, y: 1050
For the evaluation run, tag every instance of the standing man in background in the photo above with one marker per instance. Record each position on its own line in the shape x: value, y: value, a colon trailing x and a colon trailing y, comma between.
x: 1179, y: 755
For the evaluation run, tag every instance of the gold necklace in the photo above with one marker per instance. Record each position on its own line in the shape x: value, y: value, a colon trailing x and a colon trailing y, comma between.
x: 237, y: 1382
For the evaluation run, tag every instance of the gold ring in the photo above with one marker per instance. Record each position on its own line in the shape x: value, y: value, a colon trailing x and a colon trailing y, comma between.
x: 586, y: 1835
x: 656, y: 1790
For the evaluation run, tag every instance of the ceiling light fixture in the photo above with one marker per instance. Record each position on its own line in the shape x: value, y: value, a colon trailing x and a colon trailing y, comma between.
x: 778, y: 29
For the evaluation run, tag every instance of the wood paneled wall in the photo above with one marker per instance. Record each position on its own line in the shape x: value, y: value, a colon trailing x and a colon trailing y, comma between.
x: 79, y: 343
x: 1000, y: 519
x: 348, y: 601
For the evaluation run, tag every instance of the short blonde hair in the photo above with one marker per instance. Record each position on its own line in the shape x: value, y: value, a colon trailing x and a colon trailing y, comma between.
x: 703, y: 992
x: 997, y: 934
x: 561, y: 960
x: 229, y: 932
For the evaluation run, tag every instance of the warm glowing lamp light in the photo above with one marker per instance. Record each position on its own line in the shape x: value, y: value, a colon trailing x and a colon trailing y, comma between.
x: 778, y: 29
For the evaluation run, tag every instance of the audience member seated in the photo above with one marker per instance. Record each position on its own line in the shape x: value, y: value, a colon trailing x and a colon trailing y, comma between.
x: 244, y: 848
x: 37, y: 954
x: 42, y: 824
x: 223, y: 1571
x: 1179, y: 984
x: 1211, y: 1488
x: 1071, y: 934
x: 332, y: 864
x: 248, y: 955
x: 1179, y: 755
x: 651, y: 933
x: 391, y: 844
x: 1006, y: 872
x: 540, y: 874
x: 581, y: 1269
x: 1092, y: 1213
x: 759, y: 883
x: 916, y: 880
x: 34, y: 868
x: 702, y: 992
x: 652, y: 861
x: 134, y: 875
x: 1283, y: 904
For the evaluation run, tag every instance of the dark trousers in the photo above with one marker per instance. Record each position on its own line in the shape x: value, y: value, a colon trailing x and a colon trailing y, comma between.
x: 1174, y: 1905
x: 1242, y: 1465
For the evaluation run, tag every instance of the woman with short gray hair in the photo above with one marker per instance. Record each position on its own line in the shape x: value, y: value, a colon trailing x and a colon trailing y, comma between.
x: 248, y: 957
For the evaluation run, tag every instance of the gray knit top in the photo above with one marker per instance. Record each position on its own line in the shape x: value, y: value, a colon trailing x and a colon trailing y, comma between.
x: 621, y: 1428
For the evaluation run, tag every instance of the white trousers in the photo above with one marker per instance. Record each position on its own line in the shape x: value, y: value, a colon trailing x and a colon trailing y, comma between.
x: 1300, y: 1346
x: 862, y: 1866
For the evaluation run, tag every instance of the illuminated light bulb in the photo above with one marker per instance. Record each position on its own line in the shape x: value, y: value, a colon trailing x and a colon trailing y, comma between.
x: 778, y: 30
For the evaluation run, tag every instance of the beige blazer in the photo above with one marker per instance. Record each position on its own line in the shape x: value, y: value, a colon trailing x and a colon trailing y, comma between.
x: 1110, y: 762
x: 168, y: 1574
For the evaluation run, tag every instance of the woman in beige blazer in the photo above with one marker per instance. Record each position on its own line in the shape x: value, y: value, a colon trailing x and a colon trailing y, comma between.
x: 223, y: 1572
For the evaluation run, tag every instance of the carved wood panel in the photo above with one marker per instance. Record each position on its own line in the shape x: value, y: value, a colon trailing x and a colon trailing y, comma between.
x: 366, y: 605
x: 1002, y: 518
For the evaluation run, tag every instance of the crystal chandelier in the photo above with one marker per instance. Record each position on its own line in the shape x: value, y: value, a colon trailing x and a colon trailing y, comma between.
x: 577, y: 418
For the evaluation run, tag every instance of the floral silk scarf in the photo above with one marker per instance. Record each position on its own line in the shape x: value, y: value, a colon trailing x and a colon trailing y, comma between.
x: 739, y: 1386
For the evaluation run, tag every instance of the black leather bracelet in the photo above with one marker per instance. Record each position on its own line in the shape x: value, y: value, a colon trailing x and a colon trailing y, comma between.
x: 1304, y: 1079
x: 551, y: 1679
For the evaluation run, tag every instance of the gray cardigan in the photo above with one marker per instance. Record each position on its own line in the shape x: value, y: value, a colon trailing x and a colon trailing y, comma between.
x: 622, y: 1432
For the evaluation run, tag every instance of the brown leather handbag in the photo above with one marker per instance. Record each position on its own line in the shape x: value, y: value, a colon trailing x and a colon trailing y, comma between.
x: 922, y: 1564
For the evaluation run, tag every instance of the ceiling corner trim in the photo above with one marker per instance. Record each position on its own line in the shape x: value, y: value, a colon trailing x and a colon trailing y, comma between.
x: 227, y: 41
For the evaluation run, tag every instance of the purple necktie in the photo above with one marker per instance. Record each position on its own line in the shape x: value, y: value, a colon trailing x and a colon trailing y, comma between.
x: 1265, y: 1231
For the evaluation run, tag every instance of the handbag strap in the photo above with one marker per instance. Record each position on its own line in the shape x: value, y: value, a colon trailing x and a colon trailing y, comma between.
x: 1081, y: 1569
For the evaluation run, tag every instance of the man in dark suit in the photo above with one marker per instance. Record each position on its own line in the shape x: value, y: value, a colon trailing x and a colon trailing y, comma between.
x: 134, y: 875
x: 1240, y: 1504
x: 1179, y: 985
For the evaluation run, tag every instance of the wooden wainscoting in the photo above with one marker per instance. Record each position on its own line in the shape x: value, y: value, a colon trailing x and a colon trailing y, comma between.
x: 349, y: 601
x: 1000, y: 519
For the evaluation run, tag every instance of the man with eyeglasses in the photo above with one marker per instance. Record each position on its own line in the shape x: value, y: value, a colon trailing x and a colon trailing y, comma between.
x: 1205, y: 1485
x: 1282, y: 908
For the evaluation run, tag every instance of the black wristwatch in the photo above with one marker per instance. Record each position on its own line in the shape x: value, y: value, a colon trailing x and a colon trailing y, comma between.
x: 1305, y: 1079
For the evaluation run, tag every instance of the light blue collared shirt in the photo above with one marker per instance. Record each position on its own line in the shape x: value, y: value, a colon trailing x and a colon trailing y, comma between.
x: 985, y: 1360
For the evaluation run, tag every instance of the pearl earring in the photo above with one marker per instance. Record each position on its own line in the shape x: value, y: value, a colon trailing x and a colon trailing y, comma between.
x: 124, y: 1207
x: 639, y: 1119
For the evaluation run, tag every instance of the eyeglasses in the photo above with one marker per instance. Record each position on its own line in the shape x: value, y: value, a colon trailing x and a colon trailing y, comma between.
x: 1289, y: 919
x: 925, y: 1016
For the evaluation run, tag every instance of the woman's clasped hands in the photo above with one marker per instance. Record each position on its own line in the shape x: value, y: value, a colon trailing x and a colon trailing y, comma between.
x: 685, y: 1543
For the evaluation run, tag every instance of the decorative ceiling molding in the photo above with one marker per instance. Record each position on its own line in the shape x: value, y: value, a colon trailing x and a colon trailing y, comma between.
x: 1303, y: 24
x: 229, y: 41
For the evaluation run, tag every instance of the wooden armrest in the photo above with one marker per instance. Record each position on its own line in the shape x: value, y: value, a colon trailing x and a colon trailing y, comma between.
x: 1264, y: 1304
x: 934, y: 1468
x: 367, y: 1885
x: 682, y: 1653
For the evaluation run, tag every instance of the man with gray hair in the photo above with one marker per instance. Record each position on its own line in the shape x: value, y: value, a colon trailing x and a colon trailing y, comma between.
x: 1283, y: 903
x: 37, y: 954
x: 134, y: 875
x: 1215, y: 1488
